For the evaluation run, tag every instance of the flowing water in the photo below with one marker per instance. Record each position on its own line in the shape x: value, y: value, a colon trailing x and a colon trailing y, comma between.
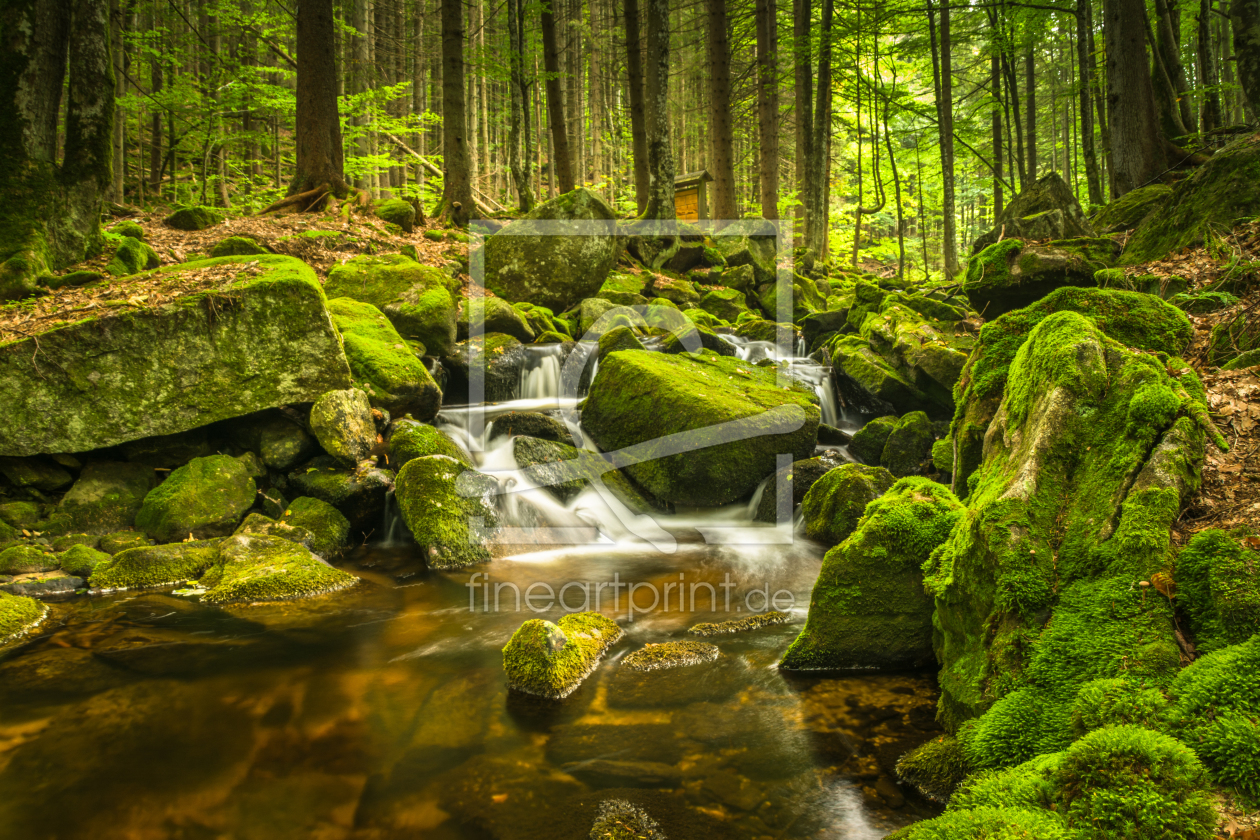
x: 382, y: 712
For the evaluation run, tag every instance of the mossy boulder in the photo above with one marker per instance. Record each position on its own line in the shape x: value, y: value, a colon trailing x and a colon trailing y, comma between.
x: 1213, y: 198
x: 129, y: 228
x: 531, y: 424
x: 868, y: 608
x: 1129, y: 210
x: 726, y: 304
x: 193, y: 218
x: 207, y: 497
x: 415, y: 298
x: 624, y: 289
x: 409, y: 440
x: 741, y: 625
x: 108, y: 495
x: 237, y: 246
x: 81, y: 560
x: 329, y: 530
x: 1218, y: 588
x: 254, y: 569
x: 706, y: 429
x: 693, y: 339
x: 1046, y: 210
x: 399, y: 212
x: 618, y: 338
x: 797, y: 479
x: 41, y: 474
x: 25, y: 559
x: 869, y: 441
x: 261, y: 341
x: 752, y: 243
x: 909, y: 445
x: 120, y: 541
x: 437, y: 496
x: 20, y: 514
x: 491, y: 363
x: 1087, y: 461
x: 673, y: 654
x: 1010, y: 275
x: 342, y: 423
x: 835, y: 504
x: 557, y: 254
x: 551, y: 660
x: 280, y: 441
x: 381, y: 364
x: 357, y: 492
x: 482, y: 315
x: 565, y: 471
x: 934, y: 769
x: 18, y: 616
x: 152, y: 566
x: 131, y: 256
x: 680, y: 292
x: 871, y: 383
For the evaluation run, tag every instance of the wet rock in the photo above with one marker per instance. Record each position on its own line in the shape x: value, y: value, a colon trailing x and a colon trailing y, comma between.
x: 530, y: 424
x: 935, y: 769
x: 159, y: 565
x: 800, y: 476
x: 329, y: 530
x: 47, y: 585
x: 18, y: 616
x: 123, y: 540
x: 381, y: 363
x: 551, y: 660
x: 909, y: 445
x: 437, y: 496
x: 830, y: 435
x: 484, y: 315
x: 871, y: 383
x: 359, y: 493
x: 741, y: 625
x: 835, y: 504
x: 342, y: 423
x: 81, y: 560
x: 494, y: 360
x: 108, y: 495
x: 676, y: 688
x: 657, y: 657
x: 35, y: 472
x: 268, y: 568
x: 544, y: 257
x: 409, y: 440
x: 204, y: 498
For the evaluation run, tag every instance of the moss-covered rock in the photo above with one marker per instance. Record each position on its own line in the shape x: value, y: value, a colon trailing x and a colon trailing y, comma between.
x: 555, y: 255
x: 1086, y: 463
x: 566, y: 471
x: 869, y: 441
x: 43, y: 475
x: 624, y: 289
x: 25, y: 559
x: 531, y: 424
x: 1129, y: 210
x: 834, y: 505
x: 1247, y: 359
x: 740, y: 625
x: 399, y: 212
x: 415, y: 298
x: 204, y: 498
x: 1215, y: 195
x: 482, y: 315
x: 159, y: 565
x: 381, y: 363
x: 693, y: 339
x: 493, y: 361
x: 1046, y: 210
x: 1010, y: 275
x: 551, y: 660
x: 20, y: 514
x: 19, y: 616
x: 619, y: 338
x: 237, y: 246
x: 120, y: 541
x: 1218, y: 588
x: 618, y: 819
x: 280, y: 441
x: 131, y: 256
x: 264, y: 340
x: 409, y: 439
x: 726, y: 304
x: 731, y: 420
x: 871, y: 383
x: 909, y: 445
x: 437, y: 496
x: 193, y: 218
x: 130, y: 228
x: 749, y: 242
x: 81, y: 560
x: 934, y: 769
x: 799, y: 477
x: 108, y: 495
x: 254, y: 569
x: 342, y: 423
x: 868, y: 608
x: 679, y: 654
x: 329, y: 530
x: 943, y: 455
x: 357, y: 492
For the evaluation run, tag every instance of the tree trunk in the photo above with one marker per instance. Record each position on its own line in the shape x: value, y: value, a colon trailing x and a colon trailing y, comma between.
x: 457, y: 197
x: 320, y: 158
x: 1211, y: 112
x: 721, y: 157
x: 1168, y: 42
x: 660, y: 203
x: 52, y: 213
x: 518, y: 133
x: 818, y: 215
x: 995, y: 119
x: 943, y: 71
x: 1137, y: 149
x: 1086, y: 108
x: 1245, y: 16
x: 638, y: 126
x: 801, y: 21
x: 561, y: 168
x: 118, y: 51
x: 1030, y: 90
x: 768, y: 106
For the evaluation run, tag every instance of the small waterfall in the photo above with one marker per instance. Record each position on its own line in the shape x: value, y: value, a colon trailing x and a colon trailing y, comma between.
x: 540, y: 375
x: 826, y: 391
x: 393, y: 529
x: 800, y: 346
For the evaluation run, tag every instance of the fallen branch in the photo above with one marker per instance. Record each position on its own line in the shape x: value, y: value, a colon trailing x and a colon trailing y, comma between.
x: 303, y: 197
x: 433, y: 170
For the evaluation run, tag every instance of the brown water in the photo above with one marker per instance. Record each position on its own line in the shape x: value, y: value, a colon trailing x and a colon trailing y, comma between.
x: 382, y: 712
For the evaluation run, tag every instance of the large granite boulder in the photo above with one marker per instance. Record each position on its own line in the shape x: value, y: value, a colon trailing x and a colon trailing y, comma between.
x: 381, y: 363
x: 1010, y: 274
x: 415, y: 298
x: 557, y: 254
x: 1046, y: 210
x: 261, y: 340
x: 701, y: 429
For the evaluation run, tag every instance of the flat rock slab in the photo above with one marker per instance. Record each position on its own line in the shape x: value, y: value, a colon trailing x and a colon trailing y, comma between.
x: 260, y: 338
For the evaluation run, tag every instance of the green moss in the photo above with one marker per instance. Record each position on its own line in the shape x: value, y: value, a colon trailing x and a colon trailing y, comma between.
x: 620, y: 338
x: 19, y: 615
x: 624, y: 289
x: 330, y: 531
x: 868, y: 442
x: 1250, y: 358
x: 121, y: 541
x: 410, y: 440
x: 483, y: 315
x: 725, y: 304
x: 834, y: 505
x: 551, y: 660
x: 399, y: 212
x: 20, y: 514
x: 868, y: 608
x: 740, y: 625
x: 437, y: 496
x: 934, y: 769
x: 1030, y: 786
x: 61, y: 544
x: 908, y: 446
x: 237, y: 246
x: 381, y: 364
x: 1218, y: 588
x: 989, y: 823
x: 204, y: 498
x: 131, y: 256
x: 415, y: 298
x: 160, y: 565
x: 264, y: 568
x: 343, y: 424
x: 193, y: 218
x: 24, y: 559
x: 128, y: 228
x: 81, y: 560
x: 693, y: 339
x: 617, y: 819
x: 738, y: 414
x: 1117, y: 701
x: 680, y: 654
x: 1128, y: 211
x: 943, y: 455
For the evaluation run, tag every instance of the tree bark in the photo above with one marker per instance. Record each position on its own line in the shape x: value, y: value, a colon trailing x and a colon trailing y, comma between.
x: 1245, y: 17
x: 638, y: 123
x: 768, y: 106
x: 942, y: 67
x: 818, y: 215
x: 457, y: 197
x: 660, y: 203
x: 1030, y: 90
x: 995, y: 119
x: 1168, y: 41
x: 561, y: 167
x: 518, y: 132
x: 1086, y: 69
x: 722, y: 157
x: 1163, y: 84
x: 801, y: 24
x: 320, y: 158
x: 1211, y: 111
x: 1137, y: 149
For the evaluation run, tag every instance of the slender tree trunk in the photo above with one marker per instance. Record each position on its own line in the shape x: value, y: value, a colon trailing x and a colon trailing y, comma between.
x: 1030, y: 90
x: 118, y: 51
x: 942, y: 66
x: 1245, y: 16
x: 660, y: 203
x: 1168, y: 42
x: 320, y: 159
x: 721, y: 156
x: 638, y: 123
x: 801, y: 24
x: 457, y: 196
x: 768, y: 106
x: 1137, y: 149
x: 818, y: 217
x: 995, y: 119
x: 1211, y: 112
x: 518, y: 136
x: 1086, y: 108
x: 561, y: 168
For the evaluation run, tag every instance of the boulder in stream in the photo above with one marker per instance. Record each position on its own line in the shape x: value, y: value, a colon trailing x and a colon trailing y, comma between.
x: 329, y: 530
x: 656, y: 657
x: 618, y: 819
x: 382, y: 365
x: 437, y: 496
x: 409, y: 440
x: 551, y: 660
x: 357, y: 492
x: 159, y: 565
x: 342, y: 423
x: 835, y: 504
x: 207, y: 497
x: 415, y: 298
x: 18, y: 616
x: 253, y: 568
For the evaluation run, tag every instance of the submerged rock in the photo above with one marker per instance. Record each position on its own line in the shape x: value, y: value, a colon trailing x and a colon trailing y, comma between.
x: 107, y: 496
x: 260, y: 341
x: 617, y: 819
x: 437, y: 495
x: 740, y: 625
x: 381, y: 363
x: 551, y: 660
x: 18, y: 616
x: 204, y: 498
x: 670, y: 655
x: 868, y: 608
x: 44, y: 585
x: 254, y: 568
x: 834, y: 505
x: 555, y: 255
x: 700, y: 429
x: 159, y: 565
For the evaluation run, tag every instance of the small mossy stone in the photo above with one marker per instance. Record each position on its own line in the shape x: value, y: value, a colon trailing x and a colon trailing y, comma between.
x: 26, y: 559
x: 409, y: 440
x: 193, y: 218
x: 437, y: 496
x: 19, y: 615
x: 726, y: 304
x: 620, y: 338
x: 62, y: 544
x: 530, y: 424
x: 207, y: 497
x: 253, y: 569
x: 330, y: 531
x: 74, y: 279
x: 358, y: 492
x: 799, y: 477
x: 909, y: 445
x: 20, y: 514
x: 108, y: 495
x: 128, y: 228
x: 677, y: 654
x: 152, y: 566
x: 398, y: 211
x: 869, y: 441
x: 260, y: 525
x: 81, y: 560
x: 237, y: 246
x: 131, y: 257
x: 618, y: 819
x: 551, y: 660
x: 279, y: 440
x: 934, y: 769
x: 483, y: 315
x: 1248, y: 359
x: 835, y: 504
x: 342, y: 423
x: 120, y: 541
